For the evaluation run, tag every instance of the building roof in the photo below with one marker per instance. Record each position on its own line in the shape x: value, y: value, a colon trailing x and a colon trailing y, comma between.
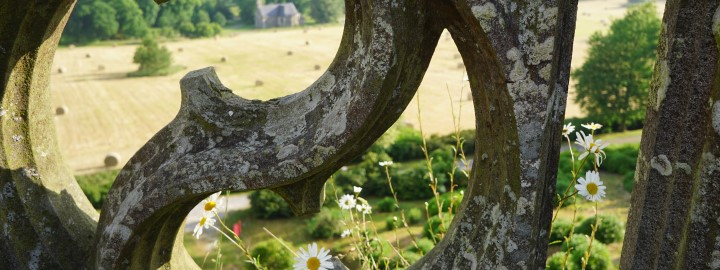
x: 278, y: 10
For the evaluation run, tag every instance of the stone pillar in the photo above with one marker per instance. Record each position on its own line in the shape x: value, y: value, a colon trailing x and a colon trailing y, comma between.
x: 674, y: 220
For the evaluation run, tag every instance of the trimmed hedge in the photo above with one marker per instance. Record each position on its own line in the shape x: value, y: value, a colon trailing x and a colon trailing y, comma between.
x: 272, y: 255
x: 610, y: 229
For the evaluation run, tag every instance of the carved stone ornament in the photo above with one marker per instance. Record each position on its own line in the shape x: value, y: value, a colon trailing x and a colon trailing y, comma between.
x: 517, y: 54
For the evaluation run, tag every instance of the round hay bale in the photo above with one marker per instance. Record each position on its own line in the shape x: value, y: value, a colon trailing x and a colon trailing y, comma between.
x: 61, y: 70
x: 317, y: 67
x: 223, y: 59
x: 290, y: 53
x: 180, y: 49
x: 307, y: 43
x: 460, y: 65
x: 101, y: 67
x: 87, y: 55
x: 112, y: 159
x: 259, y: 83
x: 62, y: 110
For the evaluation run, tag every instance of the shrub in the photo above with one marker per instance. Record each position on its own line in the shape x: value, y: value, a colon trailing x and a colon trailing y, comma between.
x: 345, y: 180
x: 391, y: 223
x: 599, y: 255
x: 407, y: 145
x: 629, y: 181
x: 424, y: 244
x: 96, y: 186
x: 412, y: 184
x: 621, y: 159
x: 434, y: 227
x: 609, y: 230
x: 153, y: 59
x: 560, y: 229
x: 375, y: 178
x: 445, y: 203
x: 386, y: 205
x: 555, y: 262
x: 272, y: 255
x: 325, y: 224
x: 265, y: 204
x: 207, y: 29
x: 414, y: 216
x: 563, y: 182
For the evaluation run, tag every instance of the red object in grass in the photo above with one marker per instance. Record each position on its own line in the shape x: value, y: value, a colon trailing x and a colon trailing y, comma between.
x: 237, y: 228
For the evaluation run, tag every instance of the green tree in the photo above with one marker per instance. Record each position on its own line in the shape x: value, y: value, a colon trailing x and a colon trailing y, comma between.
x: 153, y: 59
x: 614, y: 80
x: 92, y: 20
x: 247, y: 11
x: 130, y: 19
x: 150, y: 11
x: 325, y: 11
x: 219, y: 18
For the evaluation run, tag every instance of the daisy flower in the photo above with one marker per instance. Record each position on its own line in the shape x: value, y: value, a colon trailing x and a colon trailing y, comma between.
x: 385, y: 163
x: 592, y: 126
x: 210, y: 204
x: 347, y: 202
x: 591, y: 146
x: 346, y: 233
x: 364, y: 208
x: 567, y: 129
x: 313, y: 259
x: 591, y: 187
x: 206, y: 222
x: 357, y: 189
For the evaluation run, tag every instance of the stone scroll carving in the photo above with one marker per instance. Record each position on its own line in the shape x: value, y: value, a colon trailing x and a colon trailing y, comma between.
x: 517, y: 55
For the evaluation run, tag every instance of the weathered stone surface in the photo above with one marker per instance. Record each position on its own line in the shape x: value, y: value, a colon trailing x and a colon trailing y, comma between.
x: 517, y: 54
x: 46, y: 222
x: 673, y: 221
x: 220, y: 141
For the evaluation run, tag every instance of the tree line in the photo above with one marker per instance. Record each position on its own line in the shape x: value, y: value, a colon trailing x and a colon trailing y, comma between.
x: 94, y: 20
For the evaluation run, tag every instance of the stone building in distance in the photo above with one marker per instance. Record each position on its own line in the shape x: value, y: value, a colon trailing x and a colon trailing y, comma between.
x: 277, y: 15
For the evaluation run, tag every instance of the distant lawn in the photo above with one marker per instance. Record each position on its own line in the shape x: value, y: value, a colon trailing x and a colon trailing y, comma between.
x: 161, y: 72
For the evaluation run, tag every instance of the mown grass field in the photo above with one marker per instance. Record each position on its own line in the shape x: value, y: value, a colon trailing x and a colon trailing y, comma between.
x: 110, y: 112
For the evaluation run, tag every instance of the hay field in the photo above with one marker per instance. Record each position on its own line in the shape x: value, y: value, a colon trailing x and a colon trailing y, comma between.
x: 109, y: 112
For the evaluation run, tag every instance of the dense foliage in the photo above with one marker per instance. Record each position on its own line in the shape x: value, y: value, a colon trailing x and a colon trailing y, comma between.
x: 94, y: 20
x: 325, y: 224
x: 599, y: 255
x: 560, y: 229
x: 613, y: 82
x: 265, y: 204
x: 610, y: 229
x: 272, y: 254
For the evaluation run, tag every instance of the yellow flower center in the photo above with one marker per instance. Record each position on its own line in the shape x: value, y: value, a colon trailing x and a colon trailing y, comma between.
x: 209, y: 206
x: 313, y: 263
x: 592, y: 188
x: 202, y: 221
